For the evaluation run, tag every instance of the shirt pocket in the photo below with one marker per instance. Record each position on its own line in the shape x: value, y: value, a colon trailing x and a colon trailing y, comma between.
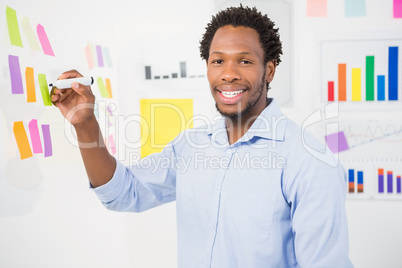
x: 248, y: 203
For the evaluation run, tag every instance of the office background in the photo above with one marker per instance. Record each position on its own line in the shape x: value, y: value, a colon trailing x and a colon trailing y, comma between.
x: 340, y: 79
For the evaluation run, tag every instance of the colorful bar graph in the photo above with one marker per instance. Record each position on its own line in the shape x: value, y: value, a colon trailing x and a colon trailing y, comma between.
x: 331, y: 93
x: 356, y: 84
x: 370, y: 78
x: 380, y: 180
x: 360, y: 182
x: 393, y: 73
x: 381, y: 87
x: 389, y: 181
x: 342, y: 82
x: 398, y: 184
x: 351, y: 180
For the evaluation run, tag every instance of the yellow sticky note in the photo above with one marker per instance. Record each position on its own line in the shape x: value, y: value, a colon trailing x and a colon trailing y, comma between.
x: 22, y: 140
x: 13, y: 29
x: 164, y: 119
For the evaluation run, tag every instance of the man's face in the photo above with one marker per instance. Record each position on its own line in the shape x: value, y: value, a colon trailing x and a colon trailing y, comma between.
x: 236, y: 72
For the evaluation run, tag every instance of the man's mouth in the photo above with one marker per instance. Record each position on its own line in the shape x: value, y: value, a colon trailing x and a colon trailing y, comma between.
x: 231, y: 94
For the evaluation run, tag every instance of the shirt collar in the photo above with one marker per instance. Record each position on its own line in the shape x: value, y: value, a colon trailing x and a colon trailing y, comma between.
x: 270, y: 124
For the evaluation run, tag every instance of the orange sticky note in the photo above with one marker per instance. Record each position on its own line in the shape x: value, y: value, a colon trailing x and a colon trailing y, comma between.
x: 108, y: 87
x: 22, y: 140
x: 30, y: 81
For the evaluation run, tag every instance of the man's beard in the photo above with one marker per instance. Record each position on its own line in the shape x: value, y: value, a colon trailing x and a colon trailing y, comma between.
x: 237, y: 116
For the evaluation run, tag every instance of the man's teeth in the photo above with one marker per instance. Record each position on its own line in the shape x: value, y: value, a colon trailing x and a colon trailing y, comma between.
x: 231, y: 94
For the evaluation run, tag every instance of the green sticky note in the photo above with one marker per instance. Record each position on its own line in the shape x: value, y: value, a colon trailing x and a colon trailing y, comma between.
x: 13, y: 29
x: 102, y: 87
x: 44, y: 89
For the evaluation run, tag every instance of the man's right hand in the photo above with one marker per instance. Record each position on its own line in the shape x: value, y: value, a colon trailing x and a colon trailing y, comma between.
x: 76, y: 103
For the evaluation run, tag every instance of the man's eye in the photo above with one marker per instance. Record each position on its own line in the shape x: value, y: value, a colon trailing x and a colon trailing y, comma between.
x: 245, y: 62
x: 217, y: 61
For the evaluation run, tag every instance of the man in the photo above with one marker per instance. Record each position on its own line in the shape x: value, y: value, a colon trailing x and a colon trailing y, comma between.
x: 248, y: 193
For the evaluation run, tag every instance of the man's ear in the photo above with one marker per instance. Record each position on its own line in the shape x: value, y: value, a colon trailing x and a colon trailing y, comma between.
x: 270, y: 70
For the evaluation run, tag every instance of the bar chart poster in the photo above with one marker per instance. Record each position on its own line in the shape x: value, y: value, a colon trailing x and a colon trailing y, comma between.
x: 362, y: 72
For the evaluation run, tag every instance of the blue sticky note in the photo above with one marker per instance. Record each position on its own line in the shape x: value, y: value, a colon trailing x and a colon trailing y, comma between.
x: 355, y: 8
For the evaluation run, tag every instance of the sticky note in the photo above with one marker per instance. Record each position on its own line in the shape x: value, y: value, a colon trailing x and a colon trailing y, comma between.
x: 164, y: 119
x: 30, y: 34
x: 397, y: 9
x: 15, y: 75
x: 89, y: 57
x: 100, y: 56
x: 22, y: 140
x: 108, y: 87
x: 35, y: 137
x: 44, y: 90
x: 106, y: 55
x: 102, y: 87
x: 13, y: 29
x: 47, y: 141
x: 337, y: 142
x: 316, y: 8
x: 44, y: 40
x: 355, y: 8
x: 30, y: 83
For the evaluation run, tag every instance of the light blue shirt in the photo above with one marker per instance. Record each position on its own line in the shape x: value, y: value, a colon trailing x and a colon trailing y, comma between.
x: 264, y: 201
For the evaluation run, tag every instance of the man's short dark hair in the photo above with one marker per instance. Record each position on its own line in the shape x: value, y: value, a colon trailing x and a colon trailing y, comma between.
x: 247, y: 17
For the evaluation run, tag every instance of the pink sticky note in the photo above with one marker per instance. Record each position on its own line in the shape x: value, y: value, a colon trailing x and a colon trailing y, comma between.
x: 397, y: 8
x: 47, y: 140
x: 316, y: 8
x: 44, y: 41
x: 88, y: 54
x: 35, y: 138
x: 15, y: 75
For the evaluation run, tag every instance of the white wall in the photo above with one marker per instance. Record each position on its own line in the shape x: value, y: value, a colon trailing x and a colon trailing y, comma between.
x: 58, y: 222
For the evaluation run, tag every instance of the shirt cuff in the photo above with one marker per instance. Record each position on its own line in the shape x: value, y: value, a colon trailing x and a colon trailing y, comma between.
x: 111, y: 190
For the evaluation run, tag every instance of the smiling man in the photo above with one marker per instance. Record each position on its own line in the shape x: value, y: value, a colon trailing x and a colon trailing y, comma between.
x: 250, y: 195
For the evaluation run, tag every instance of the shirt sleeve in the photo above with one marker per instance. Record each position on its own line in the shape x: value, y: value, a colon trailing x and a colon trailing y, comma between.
x: 316, y: 193
x: 149, y: 183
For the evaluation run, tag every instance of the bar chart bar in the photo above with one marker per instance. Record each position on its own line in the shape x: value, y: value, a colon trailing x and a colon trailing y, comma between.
x: 393, y: 73
x: 381, y: 87
x: 389, y: 181
x: 342, y: 82
x: 370, y: 78
x: 331, y: 96
x: 174, y: 75
x: 148, y: 75
x: 183, y: 69
x: 351, y: 180
x: 380, y: 180
x: 360, y: 187
x: 398, y: 184
x: 356, y: 84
